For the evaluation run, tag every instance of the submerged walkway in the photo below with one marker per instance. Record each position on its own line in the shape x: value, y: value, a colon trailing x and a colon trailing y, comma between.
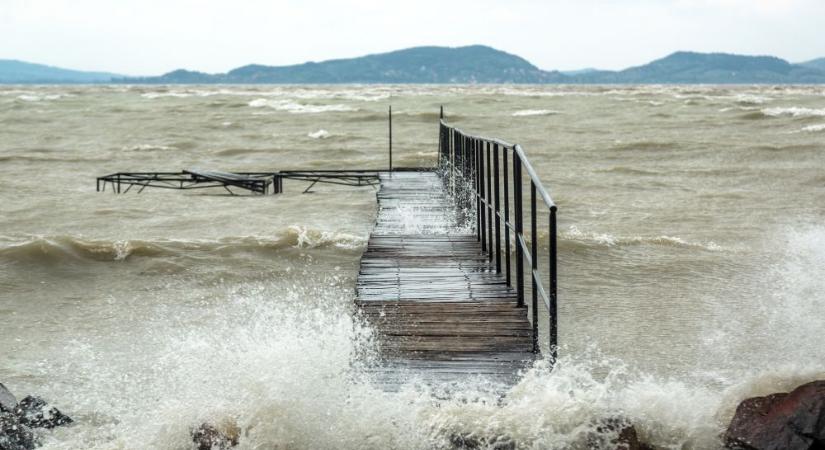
x: 441, y: 311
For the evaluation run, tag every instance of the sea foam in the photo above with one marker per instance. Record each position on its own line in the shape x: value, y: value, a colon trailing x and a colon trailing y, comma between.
x: 298, y: 108
x: 794, y: 111
x: 535, y: 112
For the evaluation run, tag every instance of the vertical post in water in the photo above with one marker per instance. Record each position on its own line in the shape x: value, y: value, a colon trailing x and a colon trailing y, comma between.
x: 497, y: 208
x: 507, y: 223
x: 519, y: 233
x: 390, y: 135
x: 489, y: 198
x: 481, y: 212
x: 553, y: 310
x: 534, y: 258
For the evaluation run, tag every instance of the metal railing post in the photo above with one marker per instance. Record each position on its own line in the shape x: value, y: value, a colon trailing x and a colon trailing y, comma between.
x: 489, y: 206
x: 534, y: 258
x: 497, y: 208
x: 519, y: 233
x: 481, y: 207
x: 390, y: 134
x: 505, y: 159
x: 553, y: 310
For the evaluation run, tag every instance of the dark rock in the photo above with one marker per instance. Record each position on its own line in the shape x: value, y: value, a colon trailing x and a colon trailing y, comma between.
x: 616, y: 434
x: 211, y: 437
x: 7, y: 400
x: 34, y: 412
x: 470, y: 442
x: 14, y: 435
x: 784, y: 421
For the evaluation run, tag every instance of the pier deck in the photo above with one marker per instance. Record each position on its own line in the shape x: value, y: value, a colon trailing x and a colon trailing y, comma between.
x: 441, y: 311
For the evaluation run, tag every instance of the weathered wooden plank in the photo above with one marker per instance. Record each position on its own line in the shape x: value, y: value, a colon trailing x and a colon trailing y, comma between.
x: 441, y: 311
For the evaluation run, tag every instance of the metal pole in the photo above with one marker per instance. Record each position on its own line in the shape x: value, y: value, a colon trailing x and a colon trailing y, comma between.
x: 489, y: 197
x: 481, y: 212
x: 519, y: 233
x: 505, y: 159
x: 497, y: 212
x: 390, y: 135
x: 534, y: 257
x: 554, y: 326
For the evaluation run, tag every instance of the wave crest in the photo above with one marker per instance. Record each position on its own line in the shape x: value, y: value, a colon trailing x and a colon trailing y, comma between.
x: 588, y: 239
x: 298, y: 108
x: 58, y: 249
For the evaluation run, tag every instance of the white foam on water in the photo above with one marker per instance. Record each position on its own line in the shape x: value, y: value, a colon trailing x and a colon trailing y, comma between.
x: 574, y: 233
x: 535, y: 112
x: 814, y: 128
x: 40, y: 98
x: 794, y: 111
x: 320, y: 134
x: 154, y: 95
x: 298, y: 108
x: 148, y: 148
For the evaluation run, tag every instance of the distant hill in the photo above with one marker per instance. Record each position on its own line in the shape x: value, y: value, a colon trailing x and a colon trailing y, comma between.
x: 472, y: 64
x: 815, y: 64
x: 480, y: 64
x: 710, y: 68
x: 19, y: 72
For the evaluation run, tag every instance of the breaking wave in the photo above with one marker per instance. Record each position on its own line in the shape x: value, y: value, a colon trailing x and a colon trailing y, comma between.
x: 64, y: 248
x: 320, y: 134
x: 577, y: 236
x: 148, y: 148
x: 794, y: 112
x: 814, y: 128
x: 535, y: 112
x: 298, y: 108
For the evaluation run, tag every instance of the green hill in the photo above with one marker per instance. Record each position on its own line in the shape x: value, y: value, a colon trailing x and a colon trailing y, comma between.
x: 711, y: 68
x: 19, y: 72
x: 472, y: 64
x: 815, y: 64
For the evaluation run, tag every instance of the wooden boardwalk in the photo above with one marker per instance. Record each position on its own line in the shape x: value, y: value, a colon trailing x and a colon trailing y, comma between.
x: 441, y: 311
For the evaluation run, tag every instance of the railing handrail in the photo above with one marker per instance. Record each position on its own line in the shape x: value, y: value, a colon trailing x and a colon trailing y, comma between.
x: 476, y: 160
x: 548, y: 201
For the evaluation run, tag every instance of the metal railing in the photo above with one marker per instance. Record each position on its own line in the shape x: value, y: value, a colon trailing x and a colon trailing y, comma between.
x: 477, y: 169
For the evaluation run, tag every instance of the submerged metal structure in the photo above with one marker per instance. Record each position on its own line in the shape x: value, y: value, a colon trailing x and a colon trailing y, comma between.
x: 261, y: 183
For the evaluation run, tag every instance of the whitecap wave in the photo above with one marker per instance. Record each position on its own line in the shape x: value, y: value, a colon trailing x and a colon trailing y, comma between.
x: 153, y: 95
x: 320, y: 134
x: 535, y: 112
x: 814, y: 128
x: 574, y: 234
x: 298, y: 108
x: 40, y: 98
x: 147, y: 148
x: 794, y: 111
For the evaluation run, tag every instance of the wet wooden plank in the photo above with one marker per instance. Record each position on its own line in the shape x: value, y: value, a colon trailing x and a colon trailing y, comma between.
x: 441, y: 312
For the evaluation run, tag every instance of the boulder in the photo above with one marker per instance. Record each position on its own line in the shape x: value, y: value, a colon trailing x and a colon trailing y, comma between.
x: 782, y: 421
x: 7, y: 400
x: 210, y: 437
x: 14, y: 435
x: 616, y: 434
x: 34, y: 412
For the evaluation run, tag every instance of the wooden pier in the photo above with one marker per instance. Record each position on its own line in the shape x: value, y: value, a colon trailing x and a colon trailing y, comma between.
x: 445, y: 292
x: 441, y: 311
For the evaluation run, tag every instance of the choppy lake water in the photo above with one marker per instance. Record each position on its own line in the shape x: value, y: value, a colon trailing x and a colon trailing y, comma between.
x: 692, y: 250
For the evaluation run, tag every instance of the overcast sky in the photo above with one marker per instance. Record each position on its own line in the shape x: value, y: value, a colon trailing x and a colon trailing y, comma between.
x: 146, y: 37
